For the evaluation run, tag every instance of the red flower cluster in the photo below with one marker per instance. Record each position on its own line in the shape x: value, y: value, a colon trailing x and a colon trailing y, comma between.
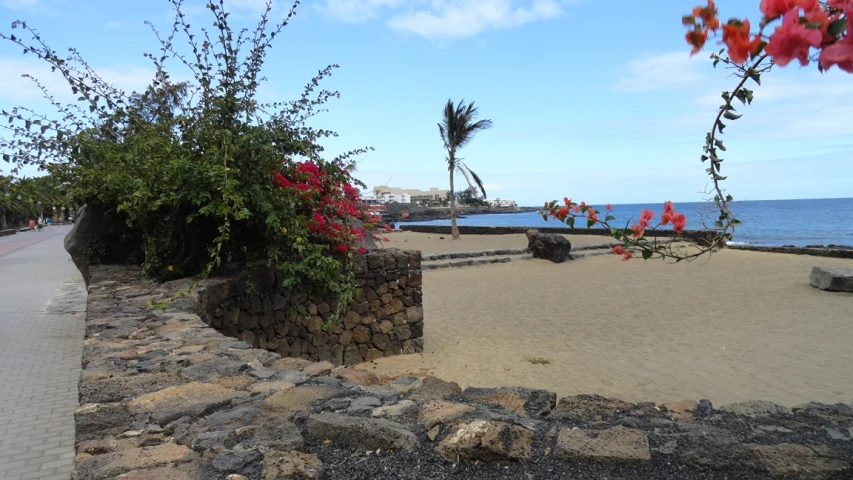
x: 638, y: 230
x: 330, y: 201
x: 806, y: 24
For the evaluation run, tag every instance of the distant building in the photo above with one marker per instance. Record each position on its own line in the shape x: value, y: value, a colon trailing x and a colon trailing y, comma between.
x: 497, y: 202
x: 370, y: 200
x: 412, y: 195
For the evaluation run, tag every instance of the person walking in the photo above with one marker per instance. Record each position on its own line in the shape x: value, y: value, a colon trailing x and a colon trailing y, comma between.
x: 41, y: 224
x: 32, y: 225
x: 49, y: 222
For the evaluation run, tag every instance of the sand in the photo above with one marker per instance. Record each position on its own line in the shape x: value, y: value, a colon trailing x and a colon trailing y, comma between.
x: 742, y: 326
x: 431, y: 242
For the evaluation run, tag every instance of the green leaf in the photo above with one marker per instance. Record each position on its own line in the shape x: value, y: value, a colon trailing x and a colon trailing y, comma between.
x: 720, y: 126
x: 837, y: 27
x: 731, y: 116
x: 570, y: 221
x: 755, y: 76
x: 719, y: 144
x: 590, y: 223
x: 647, y: 254
x: 704, y: 157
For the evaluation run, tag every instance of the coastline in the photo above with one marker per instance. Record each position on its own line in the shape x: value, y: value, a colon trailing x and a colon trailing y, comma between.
x: 395, y: 211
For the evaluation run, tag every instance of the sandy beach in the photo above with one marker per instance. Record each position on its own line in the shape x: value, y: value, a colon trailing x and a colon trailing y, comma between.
x: 432, y: 243
x: 740, y: 326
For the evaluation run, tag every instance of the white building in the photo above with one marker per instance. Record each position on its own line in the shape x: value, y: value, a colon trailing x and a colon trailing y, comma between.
x: 497, y: 202
x: 433, y: 195
x: 396, y: 198
x: 370, y: 200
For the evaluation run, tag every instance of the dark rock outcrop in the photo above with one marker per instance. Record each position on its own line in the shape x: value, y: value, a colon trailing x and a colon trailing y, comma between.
x: 548, y: 246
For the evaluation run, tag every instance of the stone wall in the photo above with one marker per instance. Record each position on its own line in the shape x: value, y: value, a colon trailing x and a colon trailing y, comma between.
x: 384, y: 318
x: 165, y: 396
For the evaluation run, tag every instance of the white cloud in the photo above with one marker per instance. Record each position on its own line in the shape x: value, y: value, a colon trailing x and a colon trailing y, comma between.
x: 661, y: 72
x: 17, y: 89
x: 32, y: 7
x: 444, y: 19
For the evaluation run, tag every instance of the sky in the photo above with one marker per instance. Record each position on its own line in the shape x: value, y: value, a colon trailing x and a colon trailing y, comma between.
x: 597, y: 103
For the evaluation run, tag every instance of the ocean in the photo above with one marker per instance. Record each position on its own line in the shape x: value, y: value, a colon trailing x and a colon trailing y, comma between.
x: 765, y: 222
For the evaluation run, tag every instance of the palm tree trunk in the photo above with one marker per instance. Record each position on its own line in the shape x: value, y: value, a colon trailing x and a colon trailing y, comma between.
x: 454, y: 230
x: 3, y: 224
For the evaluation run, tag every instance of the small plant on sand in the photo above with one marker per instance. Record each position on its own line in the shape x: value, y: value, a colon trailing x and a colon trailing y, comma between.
x: 538, y: 360
x: 458, y: 127
x: 806, y: 31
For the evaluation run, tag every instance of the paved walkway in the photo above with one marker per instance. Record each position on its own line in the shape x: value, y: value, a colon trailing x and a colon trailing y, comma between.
x: 42, y: 309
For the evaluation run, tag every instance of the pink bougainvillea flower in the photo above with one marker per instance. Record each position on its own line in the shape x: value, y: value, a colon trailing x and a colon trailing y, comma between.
x: 567, y: 201
x: 792, y: 40
x: 647, y: 215
x: 668, y: 207
x: 577, y: 209
x: 776, y: 8
x: 618, y: 250
x: 638, y: 230
x: 665, y: 218
x: 385, y: 239
x: 608, y: 207
x: 679, y: 222
x: 736, y: 38
x: 341, y: 248
x: 388, y: 228
x: 840, y: 53
x: 362, y: 250
x: 627, y: 256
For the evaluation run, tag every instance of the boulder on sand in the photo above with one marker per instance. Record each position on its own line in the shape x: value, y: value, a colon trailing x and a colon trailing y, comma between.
x: 555, y: 248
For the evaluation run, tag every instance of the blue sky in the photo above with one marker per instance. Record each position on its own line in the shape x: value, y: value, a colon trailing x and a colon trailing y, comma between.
x: 600, y: 104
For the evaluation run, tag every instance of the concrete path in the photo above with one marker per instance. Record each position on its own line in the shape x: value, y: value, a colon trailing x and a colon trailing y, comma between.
x: 42, y: 310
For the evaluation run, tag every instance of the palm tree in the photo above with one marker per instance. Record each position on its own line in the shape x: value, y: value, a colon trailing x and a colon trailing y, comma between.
x: 457, y: 129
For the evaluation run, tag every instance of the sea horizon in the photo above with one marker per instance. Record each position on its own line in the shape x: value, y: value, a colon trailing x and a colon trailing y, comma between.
x: 798, y: 222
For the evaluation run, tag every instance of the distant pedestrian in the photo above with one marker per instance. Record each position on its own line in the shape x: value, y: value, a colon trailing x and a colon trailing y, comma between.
x: 32, y: 225
x: 41, y: 224
x: 49, y: 222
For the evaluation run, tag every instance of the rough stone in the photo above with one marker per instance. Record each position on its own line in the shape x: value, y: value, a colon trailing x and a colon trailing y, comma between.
x: 192, y: 399
x: 487, y: 441
x: 833, y: 279
x: 682, y: 410
x: 288, y: 402
x: 93, y: 421
x: 434, y: 388
x: 111, y: 465
x: 363, y: 404
x: 548, y: 246
x: 788, y: 460
x: 586, y: 408
x: 755, y: 409
x: 617, y: 444
x: 439, y: 411
x: 523, y: 401
x: 361, y: 433
x: 118, y: 388
x: 357, y: 375
x: 395, y: 410
x: 318, y: 368
x: 291, y: 465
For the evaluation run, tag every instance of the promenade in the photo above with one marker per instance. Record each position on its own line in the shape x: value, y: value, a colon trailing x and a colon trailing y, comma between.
x: 42, y: 309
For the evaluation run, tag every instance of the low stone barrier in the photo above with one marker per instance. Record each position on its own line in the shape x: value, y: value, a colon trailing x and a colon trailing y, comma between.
x: 165, y: 396
x: 817, y: 252
x: 696, y: 236
x: 6, y: 233
x: 384, y: 318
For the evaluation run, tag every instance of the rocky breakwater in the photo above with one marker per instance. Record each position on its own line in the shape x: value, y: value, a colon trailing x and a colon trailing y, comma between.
x: 165, y: 396
x: 384, y: 318
x: 415, y: 213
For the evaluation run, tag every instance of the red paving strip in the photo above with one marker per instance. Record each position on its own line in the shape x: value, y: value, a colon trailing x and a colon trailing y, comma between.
x: 29, y: 238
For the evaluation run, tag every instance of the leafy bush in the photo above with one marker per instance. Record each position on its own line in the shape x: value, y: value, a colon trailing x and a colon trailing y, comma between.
x: 195, y: 169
